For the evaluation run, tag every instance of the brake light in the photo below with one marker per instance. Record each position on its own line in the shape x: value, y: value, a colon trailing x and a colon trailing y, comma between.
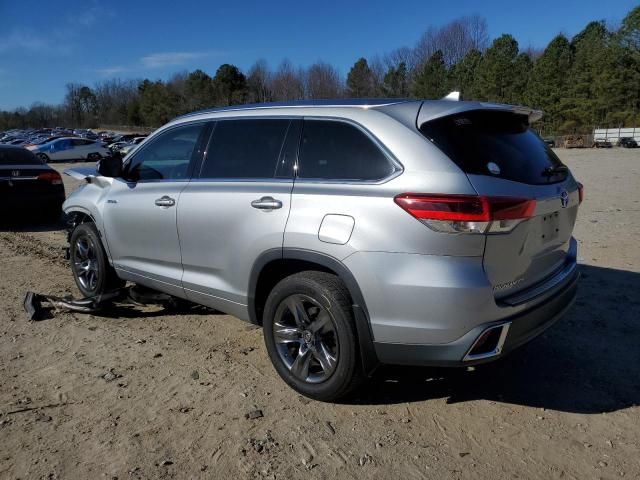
x: 467, y: 213
x: 580, y: 192
x: 53, y: 178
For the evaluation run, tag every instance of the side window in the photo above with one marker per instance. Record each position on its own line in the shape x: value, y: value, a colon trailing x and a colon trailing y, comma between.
x: 332, y: 150
x: 168, y: 155
x: 245, y: 148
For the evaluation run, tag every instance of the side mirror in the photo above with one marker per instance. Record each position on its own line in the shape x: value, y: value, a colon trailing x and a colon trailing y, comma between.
x: 110, y: 167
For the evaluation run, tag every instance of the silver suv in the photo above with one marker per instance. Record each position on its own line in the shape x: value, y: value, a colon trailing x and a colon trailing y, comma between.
x: 354, y: 232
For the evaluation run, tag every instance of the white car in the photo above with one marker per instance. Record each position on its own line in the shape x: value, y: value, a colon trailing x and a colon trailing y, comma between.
x: 70, y: 148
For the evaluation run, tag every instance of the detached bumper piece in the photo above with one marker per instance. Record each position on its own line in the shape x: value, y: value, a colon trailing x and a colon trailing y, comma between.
x: 33, y: 303
x: 37, y: 306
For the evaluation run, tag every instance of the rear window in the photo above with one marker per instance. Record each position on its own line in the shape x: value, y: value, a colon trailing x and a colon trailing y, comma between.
x: 18, y: 156
x: 497, y: 144
x: 332, y: 150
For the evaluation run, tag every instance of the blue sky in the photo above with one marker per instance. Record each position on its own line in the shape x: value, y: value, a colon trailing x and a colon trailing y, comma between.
x: 44, y: 45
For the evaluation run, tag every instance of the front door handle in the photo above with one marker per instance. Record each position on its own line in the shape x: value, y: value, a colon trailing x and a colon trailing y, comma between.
x: 165, y: 201
x: 266, y: 203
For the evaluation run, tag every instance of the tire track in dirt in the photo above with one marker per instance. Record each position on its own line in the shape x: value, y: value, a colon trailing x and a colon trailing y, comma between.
x: 28, y: 245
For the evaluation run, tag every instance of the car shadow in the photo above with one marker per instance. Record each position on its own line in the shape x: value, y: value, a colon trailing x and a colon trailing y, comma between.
x: 28, y: 222
x: 132, y: 311
x: 589, y: 362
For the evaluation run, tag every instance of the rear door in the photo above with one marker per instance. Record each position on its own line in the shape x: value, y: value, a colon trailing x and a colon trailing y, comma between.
x: 61, y: 150
x: 502, y: 157
x: 236, y: 208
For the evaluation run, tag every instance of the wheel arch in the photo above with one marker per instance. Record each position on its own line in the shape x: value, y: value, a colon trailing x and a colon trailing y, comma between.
x: 276, y: 264
x: 75, y: 215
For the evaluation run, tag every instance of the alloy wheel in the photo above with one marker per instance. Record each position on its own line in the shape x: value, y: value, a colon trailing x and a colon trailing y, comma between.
x: 306, y: 338
x: 85, y: 262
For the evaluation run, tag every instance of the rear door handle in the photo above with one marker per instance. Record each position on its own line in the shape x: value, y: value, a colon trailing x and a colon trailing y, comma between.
x: 266, y: 203
x: 165, y: 201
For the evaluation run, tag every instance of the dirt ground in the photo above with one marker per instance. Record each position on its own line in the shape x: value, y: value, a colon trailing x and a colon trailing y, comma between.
x: 144, y: 393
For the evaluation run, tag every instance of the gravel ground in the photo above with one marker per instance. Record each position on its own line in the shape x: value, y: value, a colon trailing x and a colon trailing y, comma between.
x: 148, y: 393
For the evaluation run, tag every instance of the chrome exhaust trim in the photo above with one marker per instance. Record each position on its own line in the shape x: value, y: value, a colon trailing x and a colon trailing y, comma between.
x: 497, y: 350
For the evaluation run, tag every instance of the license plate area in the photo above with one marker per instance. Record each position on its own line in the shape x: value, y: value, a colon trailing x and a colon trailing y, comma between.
x: 549, y: 227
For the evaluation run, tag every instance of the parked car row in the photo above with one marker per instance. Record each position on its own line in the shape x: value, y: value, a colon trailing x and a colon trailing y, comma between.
x: 126, y: 143
x: 60, y: 144
x: 624, y: 142
x: 581, y: 141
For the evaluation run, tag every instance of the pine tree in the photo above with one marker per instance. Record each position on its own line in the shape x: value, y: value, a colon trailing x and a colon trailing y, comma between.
x: 360, y: 81
x: 199, y: 91
x: 581, y: 107
x: 396, y: 81
x: 230, y: 85
x: 430, y: 81
x: 498, y: 71
x: 548, y: 81
x: 464, y: 75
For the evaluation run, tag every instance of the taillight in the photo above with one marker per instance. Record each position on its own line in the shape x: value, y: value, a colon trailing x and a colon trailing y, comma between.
x: 580, y: 192
x: 467, y: 213
x: 53, y: 178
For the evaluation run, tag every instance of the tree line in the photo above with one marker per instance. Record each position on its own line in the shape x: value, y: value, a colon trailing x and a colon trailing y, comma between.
x: 592, y: 79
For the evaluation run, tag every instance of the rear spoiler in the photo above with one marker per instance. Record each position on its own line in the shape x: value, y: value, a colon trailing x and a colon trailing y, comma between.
x: 450, y: 105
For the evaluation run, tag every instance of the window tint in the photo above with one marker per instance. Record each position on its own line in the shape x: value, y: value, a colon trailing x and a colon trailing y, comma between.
x: 476, y: 139
x: 80, y: 142
x: 339, y: 151
x: 63, y: 144
x: 289, y: 154
x: 167, y: 157
x: 17, y: 156
x: 244, y: 149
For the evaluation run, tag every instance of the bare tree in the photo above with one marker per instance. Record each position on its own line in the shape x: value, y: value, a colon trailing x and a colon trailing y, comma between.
x: 454, y: 40
x: 286, y: 83
x: 378, y: 70
x: 258, y: 82
x: 322, y: 81
x: 478, y: 31
x: 113, y: 98
x: 398, y: 56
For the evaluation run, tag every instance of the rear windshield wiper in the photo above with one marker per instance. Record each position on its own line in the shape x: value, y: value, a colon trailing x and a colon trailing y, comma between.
x: 556, y: 169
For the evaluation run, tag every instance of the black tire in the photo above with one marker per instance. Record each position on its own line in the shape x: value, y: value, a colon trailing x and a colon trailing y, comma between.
x: 43, y: 157
x: 324, y: 294
x: 94, y: 157
x: 91, y: 271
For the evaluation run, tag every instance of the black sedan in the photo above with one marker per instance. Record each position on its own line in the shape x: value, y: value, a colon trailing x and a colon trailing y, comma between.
x: 628, y: 142
x: 28, y: 186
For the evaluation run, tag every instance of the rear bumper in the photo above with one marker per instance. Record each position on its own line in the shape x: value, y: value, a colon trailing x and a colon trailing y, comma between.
x: 18, y: 202
x: 523, y: 327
